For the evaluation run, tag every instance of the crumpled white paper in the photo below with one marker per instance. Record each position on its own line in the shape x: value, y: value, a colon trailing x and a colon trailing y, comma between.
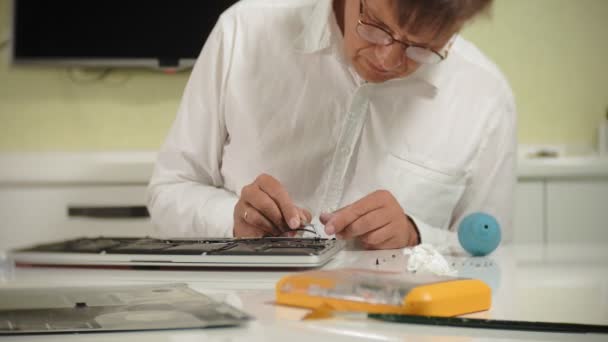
x: 425, y: 258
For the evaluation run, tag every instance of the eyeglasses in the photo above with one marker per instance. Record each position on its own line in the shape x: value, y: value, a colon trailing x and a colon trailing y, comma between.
x: 377, y: 35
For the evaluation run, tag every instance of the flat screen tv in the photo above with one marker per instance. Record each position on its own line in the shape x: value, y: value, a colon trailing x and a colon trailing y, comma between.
x: 111, y: 33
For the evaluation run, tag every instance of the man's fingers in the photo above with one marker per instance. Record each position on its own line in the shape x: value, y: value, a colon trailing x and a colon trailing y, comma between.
x: 392, y: 243
x: 325, y: 217
x: 303, y: 219
x: 245, y: 230
x: 279, y: 195
x: 256, y: 219
x: 340, y: 221
x: 412, y: 239
x: 290, y: 233
x: 305, y: 216
x: 255, y: 197
x: 377, y: 237
x: 369, y: 222
x: 391, y: 236
x: 347, y: 215
x: 271, y: 200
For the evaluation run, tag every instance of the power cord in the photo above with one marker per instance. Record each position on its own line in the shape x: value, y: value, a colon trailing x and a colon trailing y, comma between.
x: 81, y: 75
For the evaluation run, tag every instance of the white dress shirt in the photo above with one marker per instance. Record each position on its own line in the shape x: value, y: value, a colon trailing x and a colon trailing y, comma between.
x: 272, y: 93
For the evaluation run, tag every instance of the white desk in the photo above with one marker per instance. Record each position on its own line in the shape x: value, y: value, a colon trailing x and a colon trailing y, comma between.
x: 563, y: 283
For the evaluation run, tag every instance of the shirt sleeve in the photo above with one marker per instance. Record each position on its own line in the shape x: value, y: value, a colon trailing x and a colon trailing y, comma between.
x: 185, y: 195
x: 492, y: 178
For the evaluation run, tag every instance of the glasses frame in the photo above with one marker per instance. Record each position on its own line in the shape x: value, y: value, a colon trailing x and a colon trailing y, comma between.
x: 393, y: 40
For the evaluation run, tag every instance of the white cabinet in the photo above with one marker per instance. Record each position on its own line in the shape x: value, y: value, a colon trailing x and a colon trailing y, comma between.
x: 557, y: 199
x: 561, y: 210
x: 529, y: 212
x: 37, y: 213
x: 546, y: 210
x: 577, y: 210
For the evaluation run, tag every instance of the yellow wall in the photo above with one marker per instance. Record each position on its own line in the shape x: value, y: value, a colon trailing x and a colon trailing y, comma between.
x: 555, y: 55
x: 554, y: 52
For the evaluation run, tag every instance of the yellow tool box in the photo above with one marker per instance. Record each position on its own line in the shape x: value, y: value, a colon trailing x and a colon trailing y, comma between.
x: 358, y: 290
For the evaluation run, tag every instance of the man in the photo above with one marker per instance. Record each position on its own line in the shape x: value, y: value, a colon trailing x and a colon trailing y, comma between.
x: 372, y: 115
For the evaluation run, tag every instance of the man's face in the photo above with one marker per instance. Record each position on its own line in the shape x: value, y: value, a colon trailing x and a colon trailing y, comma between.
x: 377, y: 63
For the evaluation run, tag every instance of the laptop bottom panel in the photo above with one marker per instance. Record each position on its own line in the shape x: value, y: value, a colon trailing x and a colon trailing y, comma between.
x: 265, y: 252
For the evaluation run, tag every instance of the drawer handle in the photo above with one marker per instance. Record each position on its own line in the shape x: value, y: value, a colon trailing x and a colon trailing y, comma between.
x: 108, y: 212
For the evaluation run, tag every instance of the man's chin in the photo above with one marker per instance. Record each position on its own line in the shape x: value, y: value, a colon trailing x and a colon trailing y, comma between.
x: 375, y: 78
x: 372, y: 76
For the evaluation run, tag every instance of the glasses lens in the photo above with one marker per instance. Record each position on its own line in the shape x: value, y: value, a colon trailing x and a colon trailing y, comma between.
x: 422, y: 55
x: 373, y: 34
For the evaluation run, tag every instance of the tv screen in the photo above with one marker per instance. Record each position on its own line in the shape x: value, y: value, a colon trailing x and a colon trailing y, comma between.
x: 169, y: 33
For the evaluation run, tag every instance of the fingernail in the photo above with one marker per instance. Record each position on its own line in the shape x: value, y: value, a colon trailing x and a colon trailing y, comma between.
x: 330, y: 229
x: 294, y: 223
x: 324, y: 217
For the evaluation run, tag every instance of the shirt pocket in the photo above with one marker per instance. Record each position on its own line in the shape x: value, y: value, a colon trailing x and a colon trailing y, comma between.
x: 424, y: 189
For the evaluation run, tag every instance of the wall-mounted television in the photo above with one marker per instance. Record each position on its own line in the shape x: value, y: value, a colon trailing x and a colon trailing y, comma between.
x: 112, y: 33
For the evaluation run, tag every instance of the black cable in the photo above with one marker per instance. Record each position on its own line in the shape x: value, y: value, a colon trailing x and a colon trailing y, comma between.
x: 103, y: 73
x: 493, y: 323
x: 305, y: 230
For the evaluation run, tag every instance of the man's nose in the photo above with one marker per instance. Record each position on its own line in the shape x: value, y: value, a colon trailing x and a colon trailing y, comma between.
x: 390, y: 56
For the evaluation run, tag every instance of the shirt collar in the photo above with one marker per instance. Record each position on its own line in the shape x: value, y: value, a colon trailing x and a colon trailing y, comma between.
x: 319, y: 34
x: 438, y: 74
x: 433, y: 74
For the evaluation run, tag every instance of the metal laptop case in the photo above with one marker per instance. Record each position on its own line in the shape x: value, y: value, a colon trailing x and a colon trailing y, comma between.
x: 120, y: 251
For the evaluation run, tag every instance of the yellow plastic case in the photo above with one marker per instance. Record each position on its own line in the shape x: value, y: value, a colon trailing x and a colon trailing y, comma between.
x: 384, y: 292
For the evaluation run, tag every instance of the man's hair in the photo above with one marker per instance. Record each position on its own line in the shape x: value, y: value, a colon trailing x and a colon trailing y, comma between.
x: 438, y: 15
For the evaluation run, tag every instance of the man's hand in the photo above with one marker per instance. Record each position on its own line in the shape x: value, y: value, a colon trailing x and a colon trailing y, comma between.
x: 377, y: 220
x: 265, y: 209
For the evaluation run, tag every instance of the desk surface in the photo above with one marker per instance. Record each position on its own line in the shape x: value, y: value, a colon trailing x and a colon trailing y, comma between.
x: 559, y: 283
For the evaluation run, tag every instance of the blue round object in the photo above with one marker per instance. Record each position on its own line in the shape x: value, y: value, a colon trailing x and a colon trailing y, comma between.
x: 479, y: 234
